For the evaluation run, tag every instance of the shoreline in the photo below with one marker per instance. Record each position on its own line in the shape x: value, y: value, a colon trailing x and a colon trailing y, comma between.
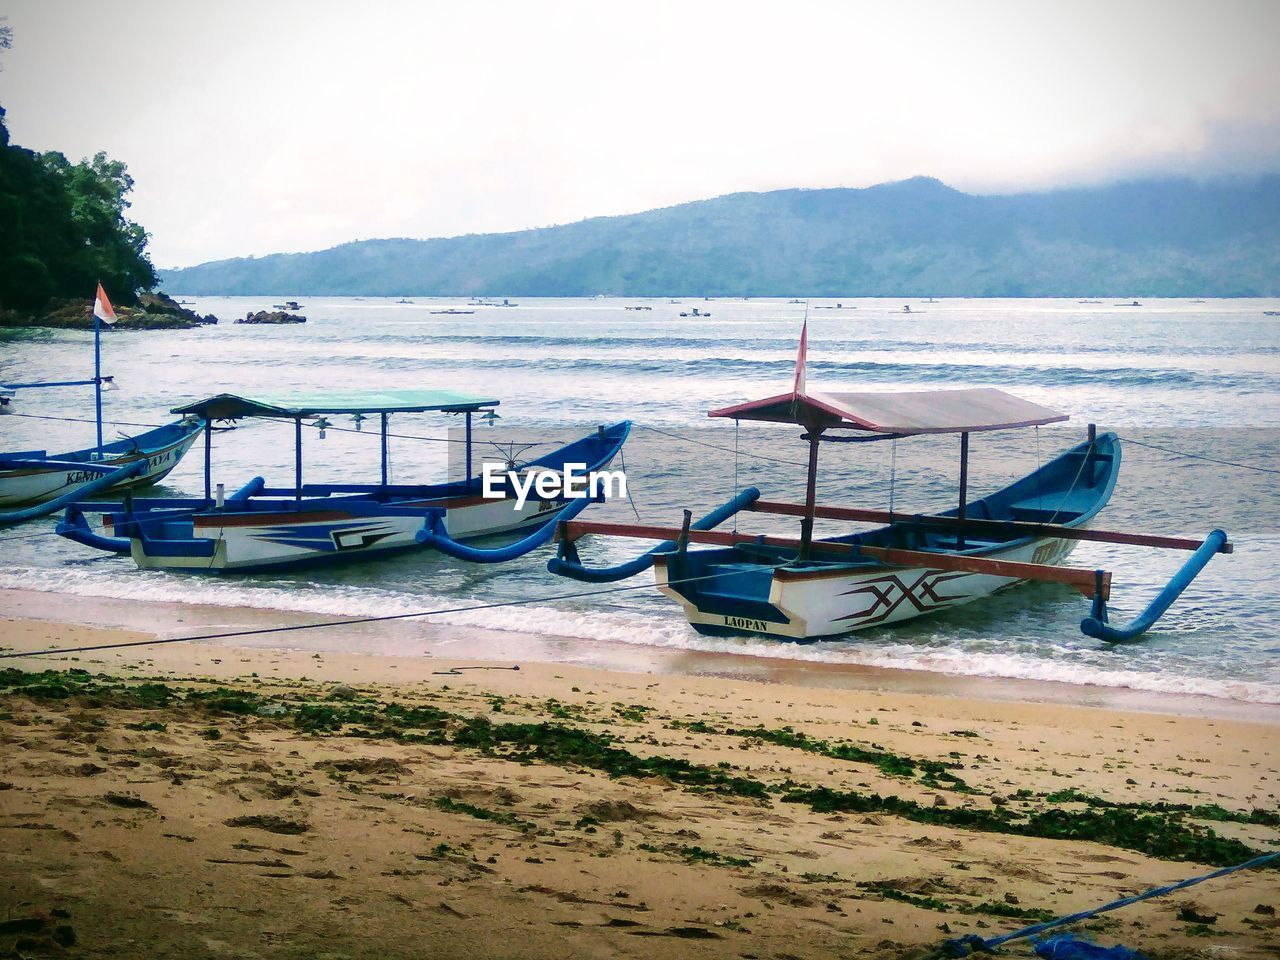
x: 422, y: 638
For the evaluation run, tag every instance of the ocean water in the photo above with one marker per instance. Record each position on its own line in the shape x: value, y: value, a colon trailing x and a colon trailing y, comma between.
x: 1169, y: 376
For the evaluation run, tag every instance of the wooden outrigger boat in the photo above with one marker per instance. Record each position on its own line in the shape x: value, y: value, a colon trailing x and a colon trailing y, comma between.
x: 258, y: 528
x: 805, y: 589
x: 34, y: 483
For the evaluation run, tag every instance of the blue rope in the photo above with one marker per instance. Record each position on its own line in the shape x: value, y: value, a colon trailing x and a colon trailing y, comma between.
x: 963, y: 946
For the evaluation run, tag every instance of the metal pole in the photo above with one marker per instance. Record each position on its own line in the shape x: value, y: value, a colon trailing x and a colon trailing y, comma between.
x: 468, y: 474
x: 208, y: 452
x: 810, y: 498
x: 384, y: 449
x: 964, y: 487
x: 97, y: 372
x: 297, y: 458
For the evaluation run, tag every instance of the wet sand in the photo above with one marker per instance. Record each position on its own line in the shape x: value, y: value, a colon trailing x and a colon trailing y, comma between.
x: 197, y: 830
x: 668, y: 813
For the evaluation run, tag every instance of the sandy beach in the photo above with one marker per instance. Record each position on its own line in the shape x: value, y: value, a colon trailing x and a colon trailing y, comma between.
x: 202, y: 800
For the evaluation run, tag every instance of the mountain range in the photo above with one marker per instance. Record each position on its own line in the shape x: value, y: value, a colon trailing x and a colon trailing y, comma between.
x: 1152, y: 238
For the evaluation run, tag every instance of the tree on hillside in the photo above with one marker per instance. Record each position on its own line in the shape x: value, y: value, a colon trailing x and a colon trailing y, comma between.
x: 63, y: 229
x: 114, y: 246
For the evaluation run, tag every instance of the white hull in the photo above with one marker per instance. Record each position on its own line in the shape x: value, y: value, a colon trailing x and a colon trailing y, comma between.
x: 817, y: 602
x: 38, y: 485
x: 243, y: 541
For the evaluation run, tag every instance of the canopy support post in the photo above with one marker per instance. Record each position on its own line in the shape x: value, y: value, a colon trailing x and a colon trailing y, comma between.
x: 964, y: 487
x: 384, y: 449
x: 468, y: 473
x: 297, y: 458
x: 810, y: 497
x: 208, y: 457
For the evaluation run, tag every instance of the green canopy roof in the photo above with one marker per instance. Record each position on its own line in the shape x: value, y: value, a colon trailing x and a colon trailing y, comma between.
x: 227, y: 406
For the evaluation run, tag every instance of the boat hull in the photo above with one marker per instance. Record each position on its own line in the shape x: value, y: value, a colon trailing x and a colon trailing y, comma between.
x: 812, y: 605
x: 325, y: 533
x: 34, y: 483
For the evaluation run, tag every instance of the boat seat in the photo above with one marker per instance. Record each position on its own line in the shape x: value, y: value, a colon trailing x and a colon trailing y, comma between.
x: 970, y: 543
x: 1038, y: 515
x: 743, y: 581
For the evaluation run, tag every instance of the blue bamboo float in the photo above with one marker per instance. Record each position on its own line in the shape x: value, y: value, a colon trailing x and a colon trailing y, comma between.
x: 1095, y: 625
x: 567, y: 564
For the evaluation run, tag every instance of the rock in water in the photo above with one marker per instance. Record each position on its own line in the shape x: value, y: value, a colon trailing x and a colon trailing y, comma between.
x: 272, y: 316
x: 154, y: 311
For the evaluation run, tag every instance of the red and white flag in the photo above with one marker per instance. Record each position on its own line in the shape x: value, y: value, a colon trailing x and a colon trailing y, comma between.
x: 102, y: 308
x: 801, y: 355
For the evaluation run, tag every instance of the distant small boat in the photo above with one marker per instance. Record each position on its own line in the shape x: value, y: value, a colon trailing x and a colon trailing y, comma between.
x: 906, y: 308
x: 1088, y: 301
x: 1271, y: 313
x: 289, y: 305
x: 1197, y: 301
x: 1135, y: 303
x: 639, y: 308
x: 695, y: 313
x: 931, y: 300
x: 402, y: 300
x: 453, y: 312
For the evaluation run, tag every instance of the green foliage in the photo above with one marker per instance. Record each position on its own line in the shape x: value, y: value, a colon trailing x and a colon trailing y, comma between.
x: 1157, y: 834
x: 449, y: 805
x: 1163, y: 830
x: 65, y: 229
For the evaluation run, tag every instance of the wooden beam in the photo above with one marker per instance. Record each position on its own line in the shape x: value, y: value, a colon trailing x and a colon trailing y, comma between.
x: 1086, y: 581
x: 1001, y: 527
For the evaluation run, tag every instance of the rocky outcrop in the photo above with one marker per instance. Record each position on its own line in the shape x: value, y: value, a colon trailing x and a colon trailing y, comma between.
x: 272, y: 316
x: 154, y: 311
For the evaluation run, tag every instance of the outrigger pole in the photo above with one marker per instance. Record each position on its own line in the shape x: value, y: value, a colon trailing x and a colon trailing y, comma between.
x: 1089, y: 582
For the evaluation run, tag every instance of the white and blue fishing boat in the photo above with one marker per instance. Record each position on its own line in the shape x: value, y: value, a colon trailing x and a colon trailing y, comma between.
x: 261, y: 528
x: 34, y: 482
x: 914, y: 564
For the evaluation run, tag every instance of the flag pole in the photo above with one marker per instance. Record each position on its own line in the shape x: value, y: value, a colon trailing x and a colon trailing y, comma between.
x: 97, y: 370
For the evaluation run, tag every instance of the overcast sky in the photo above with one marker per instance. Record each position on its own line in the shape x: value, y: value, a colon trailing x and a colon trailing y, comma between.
x: 259, y: 126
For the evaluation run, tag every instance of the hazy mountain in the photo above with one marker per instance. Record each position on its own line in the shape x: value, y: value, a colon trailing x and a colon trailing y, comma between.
x: 911, y: 238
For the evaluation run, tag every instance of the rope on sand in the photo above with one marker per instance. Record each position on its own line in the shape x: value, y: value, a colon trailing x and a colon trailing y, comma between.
x: 964, y: 946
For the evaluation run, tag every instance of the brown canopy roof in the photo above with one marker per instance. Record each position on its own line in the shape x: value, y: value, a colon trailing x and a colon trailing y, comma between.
x: 909, y: 412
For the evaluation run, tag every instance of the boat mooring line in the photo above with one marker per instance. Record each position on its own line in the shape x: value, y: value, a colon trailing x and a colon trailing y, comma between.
x: 123, y: 423
x: 713, y: 446
x: 155, y: 641
x: 1199, y: 456
x: 963, y: 946
x: 30, y: 536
